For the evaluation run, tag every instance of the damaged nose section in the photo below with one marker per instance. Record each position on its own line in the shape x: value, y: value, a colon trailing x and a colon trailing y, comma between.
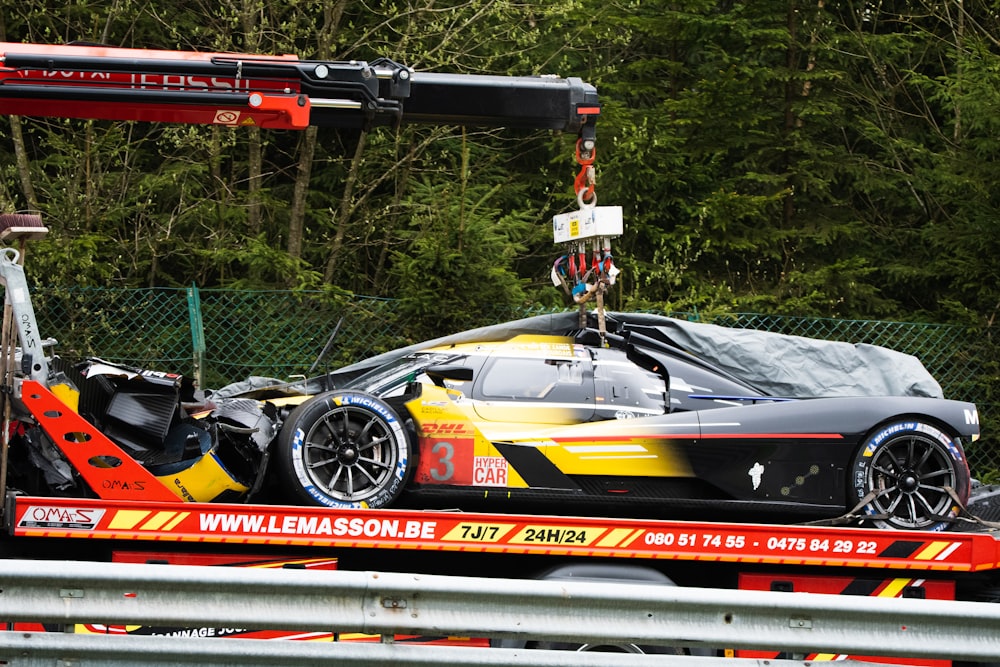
x: 232, y: 441
x: 249, y: 418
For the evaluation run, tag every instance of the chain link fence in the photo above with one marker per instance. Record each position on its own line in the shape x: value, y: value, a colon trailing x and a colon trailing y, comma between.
x: 222, y: 336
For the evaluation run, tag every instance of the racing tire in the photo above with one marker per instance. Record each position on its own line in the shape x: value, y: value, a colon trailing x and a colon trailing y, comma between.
x: 910, y: 466
x: 344, y: 449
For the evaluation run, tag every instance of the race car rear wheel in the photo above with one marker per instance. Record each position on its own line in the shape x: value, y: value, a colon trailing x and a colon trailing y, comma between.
x: 344, y: 449
x: 913, y: 472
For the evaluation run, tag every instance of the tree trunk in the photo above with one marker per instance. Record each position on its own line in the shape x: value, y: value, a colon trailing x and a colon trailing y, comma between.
x: 252, y: 25
x: 296, y: 223
x: 23, y: 171
x: 307, y: 147
x: 344, y: 210
x: 254, y: 181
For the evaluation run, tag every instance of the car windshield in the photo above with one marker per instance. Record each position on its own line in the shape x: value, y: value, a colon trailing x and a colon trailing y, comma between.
x: 390, y: 379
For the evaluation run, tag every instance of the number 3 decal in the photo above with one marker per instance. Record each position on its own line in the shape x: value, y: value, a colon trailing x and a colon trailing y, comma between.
x: 445, y: 469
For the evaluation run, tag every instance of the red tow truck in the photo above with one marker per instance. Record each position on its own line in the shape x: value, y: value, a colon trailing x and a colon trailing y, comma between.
x: 131, y: 515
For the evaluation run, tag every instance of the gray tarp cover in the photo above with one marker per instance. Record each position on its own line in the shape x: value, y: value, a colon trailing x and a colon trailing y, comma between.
x: 778, y: 364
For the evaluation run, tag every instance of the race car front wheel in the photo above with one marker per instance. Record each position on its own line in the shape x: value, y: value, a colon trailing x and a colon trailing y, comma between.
x: 344, y: 449
x: 912, y: 472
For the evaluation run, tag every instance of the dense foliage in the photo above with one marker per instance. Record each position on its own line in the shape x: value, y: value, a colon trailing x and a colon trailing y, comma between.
x: 825, y: 158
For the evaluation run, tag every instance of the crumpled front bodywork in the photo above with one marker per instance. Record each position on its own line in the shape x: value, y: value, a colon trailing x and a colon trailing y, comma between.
x: 202, y: 450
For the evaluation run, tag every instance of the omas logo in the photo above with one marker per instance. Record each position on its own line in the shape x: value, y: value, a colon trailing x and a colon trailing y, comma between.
x: 123, y: 485
x: 44, y: 516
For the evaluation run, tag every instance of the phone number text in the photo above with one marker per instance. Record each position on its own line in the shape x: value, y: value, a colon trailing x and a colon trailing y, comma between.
x: 773, y: 544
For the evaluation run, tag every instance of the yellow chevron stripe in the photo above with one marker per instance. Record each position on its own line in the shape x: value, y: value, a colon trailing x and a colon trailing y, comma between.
x: 894, y: 588
x: 614, y: 537
x: 176, y: 520
x: 157, y: 520
x: 932, y: 550
x: 297, y: 561
x: 632, y: 539
x: 125, y: 519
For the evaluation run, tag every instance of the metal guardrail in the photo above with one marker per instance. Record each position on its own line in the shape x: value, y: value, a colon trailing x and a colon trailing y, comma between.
x: 57, y: 650
x: 394, y: 603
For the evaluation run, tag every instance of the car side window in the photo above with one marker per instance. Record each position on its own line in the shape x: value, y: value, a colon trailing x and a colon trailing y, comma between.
x: 532, y: 378
x: 535, y: 390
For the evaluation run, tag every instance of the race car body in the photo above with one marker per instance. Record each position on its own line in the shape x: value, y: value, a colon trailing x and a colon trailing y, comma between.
x: 631, y: 427
x: 627, y: 424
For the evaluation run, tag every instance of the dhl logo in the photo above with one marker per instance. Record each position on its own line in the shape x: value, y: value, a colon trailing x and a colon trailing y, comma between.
x: 446, y: 428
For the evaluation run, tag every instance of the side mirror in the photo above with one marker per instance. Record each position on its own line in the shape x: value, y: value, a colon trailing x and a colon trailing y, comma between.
x: 448, y: 372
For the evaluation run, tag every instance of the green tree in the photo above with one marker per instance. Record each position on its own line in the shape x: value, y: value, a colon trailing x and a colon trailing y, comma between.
x: 824, y: 158
x: 454, y: 270
x: 725, y: 153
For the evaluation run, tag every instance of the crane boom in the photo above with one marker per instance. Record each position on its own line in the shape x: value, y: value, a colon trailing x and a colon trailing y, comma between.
x: 276, y: 92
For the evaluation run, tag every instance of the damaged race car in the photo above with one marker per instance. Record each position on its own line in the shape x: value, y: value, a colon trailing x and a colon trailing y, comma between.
x: 647, y: 415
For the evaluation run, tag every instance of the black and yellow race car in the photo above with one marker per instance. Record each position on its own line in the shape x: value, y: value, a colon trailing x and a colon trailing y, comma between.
x: 630, y: 421
x: 644, y: 415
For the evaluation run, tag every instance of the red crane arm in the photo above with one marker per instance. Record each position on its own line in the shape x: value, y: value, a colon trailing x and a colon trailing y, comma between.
x: 279, y: 92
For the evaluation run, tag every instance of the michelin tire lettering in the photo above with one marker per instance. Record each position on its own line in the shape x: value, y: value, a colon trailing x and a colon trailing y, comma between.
x: 346, y: 450
x: 910, y: 471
